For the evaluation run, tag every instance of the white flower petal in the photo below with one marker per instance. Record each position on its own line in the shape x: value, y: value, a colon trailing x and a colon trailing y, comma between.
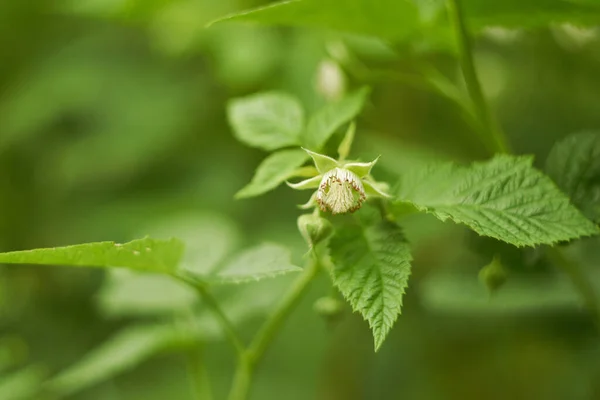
x: 340, y: 191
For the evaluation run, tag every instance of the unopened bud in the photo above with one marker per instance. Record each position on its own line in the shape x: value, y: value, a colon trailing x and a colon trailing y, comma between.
x: 328, y: 307
x: 314, y: 229
x: 493, y: 275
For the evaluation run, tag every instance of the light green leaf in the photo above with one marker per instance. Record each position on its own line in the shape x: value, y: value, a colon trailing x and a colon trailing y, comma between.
x: 392, y: 19
x: 332, y: 116
x: 142, y: 254
x: 269, y: 120
x: 121, y: 353
x: 504, y: 198
x: 23, y: 384
x: 371, y: 269
x: 128, y: 293
x: 274, y: 170
x: 574, y: 165
x: 263, y: 261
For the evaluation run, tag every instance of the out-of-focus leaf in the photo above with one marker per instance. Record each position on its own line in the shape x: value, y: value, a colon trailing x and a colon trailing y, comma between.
x: 267, y: 260
x: 505, y: 198
x: 324, y: 122
x: 392, y: 19
x: 120, y: 353
x: 268, y: 120
x: 574, y: 165
x: 143, y: 254
x: 371, y: 269
x: 23, y: 384
x: 273, y: 170
x: 128, y: 293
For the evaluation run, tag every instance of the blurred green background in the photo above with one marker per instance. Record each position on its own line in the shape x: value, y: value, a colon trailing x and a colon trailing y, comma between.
x: 113, y: 126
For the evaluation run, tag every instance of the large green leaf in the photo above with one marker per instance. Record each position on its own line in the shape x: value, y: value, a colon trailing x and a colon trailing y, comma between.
x: 385, y: 18
x: 574, y: 164
x: 371, y: 269
x: 142, y: 254
x: 266, y: 260
x: 269, y: 120
x: 505, y: 198
x: 274, y: 170
x: 329, y: 118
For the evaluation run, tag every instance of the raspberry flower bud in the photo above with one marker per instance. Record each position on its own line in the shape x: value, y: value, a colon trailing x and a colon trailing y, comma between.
x: 341, y: 186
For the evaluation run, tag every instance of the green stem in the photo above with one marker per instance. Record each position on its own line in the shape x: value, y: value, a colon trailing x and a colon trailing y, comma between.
x: 212, y: 303
x: 499, y: 143
x: 493, y: 136
x: 579, y: 280
x: 200, y: 383
x: 265, y: 335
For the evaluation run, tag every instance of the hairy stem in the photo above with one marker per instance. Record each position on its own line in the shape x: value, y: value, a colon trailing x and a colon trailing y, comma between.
x: 493, y: 136
x: 263, y: 338
x: 498, y: 143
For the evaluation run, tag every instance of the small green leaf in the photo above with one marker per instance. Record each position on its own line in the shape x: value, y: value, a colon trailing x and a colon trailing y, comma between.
x: 332, y: 116
x: 263, y: 261
x: 574, y: 165
x: 269, y: 120
x: 142, y: 254
x: 504, y: 198
x: 323, y: 163
x: 274, y: 170
x: 371, y: 269
x: 392, y: 19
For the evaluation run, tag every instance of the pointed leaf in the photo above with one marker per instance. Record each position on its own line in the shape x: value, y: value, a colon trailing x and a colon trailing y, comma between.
x: 268, y: 120
x: 346, y: 143
x: 310, y: 183
x: 322, y: 162
x: 371, y: 269
x: 332, y: 116
x: 361, y: 169
x: 386, y: 18
x: 504, y: 198
x: 142, y: 254
x: 574, y: 165
x: 376, y: 188
x: 274, y: 170
x: 263, y: 261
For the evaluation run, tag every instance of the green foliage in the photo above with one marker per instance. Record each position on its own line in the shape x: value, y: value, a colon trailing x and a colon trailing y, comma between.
x: 120, y: 353
x: 328, y: 119
x: 371, y: 269
x: 266, y: 260
x: 22, y: 384
x: 273, y: 171
x: 143, y: 254
x: 504, y: 198
x: 269, y: 120
x: 574, y: 165
x: 391, y: 19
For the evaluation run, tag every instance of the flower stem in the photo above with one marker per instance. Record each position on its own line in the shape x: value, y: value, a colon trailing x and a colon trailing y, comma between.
x: 263, y: 338
x: 492, y: 135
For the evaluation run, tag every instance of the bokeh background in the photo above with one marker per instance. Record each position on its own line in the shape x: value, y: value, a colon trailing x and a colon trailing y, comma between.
x: 113, y: 126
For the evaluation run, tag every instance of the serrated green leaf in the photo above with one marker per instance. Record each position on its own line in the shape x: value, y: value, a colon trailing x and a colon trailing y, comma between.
x: 269, y: 120
x: 143, y: 254
x: 266, y: 260
x: 574, y: 165
x: 392, y: 19
x: 371, y: 269
x: 332, y: 116
x: 122, y: 352
x: 274, y: 170
x: 504, y: 198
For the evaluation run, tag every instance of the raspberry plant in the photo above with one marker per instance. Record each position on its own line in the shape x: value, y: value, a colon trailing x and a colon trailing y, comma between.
x: 351, y: 221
